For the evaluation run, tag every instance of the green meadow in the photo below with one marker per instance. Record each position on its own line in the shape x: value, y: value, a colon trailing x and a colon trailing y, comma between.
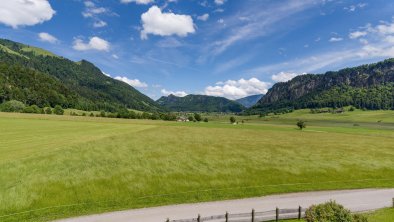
x: 61, y: 166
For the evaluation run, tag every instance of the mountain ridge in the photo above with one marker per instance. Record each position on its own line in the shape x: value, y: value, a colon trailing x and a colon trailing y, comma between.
x: 367, y: 86
x: 199, y: 103
x: 86, y: 86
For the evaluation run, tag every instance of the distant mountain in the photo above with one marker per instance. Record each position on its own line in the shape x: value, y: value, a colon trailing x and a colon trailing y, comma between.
x: 367, y: 86
x: 249, y: 101
x: 35, y: 76
x: 199, y: 103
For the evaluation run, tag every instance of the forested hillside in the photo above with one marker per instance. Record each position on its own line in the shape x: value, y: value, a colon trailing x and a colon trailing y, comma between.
x: 35, y: 76
x: 367, y: 86
x: 199, y: 103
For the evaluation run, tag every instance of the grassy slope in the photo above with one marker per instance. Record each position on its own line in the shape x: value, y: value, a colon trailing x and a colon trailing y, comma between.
x: 59, y: 166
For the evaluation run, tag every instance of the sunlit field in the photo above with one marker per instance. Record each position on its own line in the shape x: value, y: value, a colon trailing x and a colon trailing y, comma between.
x: 62, y: 166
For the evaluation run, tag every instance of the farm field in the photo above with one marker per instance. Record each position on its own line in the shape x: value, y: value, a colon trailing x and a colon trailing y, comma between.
x: 61, y: 166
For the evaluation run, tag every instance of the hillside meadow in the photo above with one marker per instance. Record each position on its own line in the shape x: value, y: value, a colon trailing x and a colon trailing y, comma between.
x: 61, y: 166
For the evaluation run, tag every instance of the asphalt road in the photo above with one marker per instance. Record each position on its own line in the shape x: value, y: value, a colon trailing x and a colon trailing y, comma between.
x: 355, y: 200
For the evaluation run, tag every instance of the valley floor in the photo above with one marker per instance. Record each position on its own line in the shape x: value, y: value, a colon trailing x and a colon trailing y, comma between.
x: 55, y: 167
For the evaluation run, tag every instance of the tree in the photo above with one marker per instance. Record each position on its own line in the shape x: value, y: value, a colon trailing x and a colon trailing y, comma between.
x: 12, y: 106
x: 102, y: 113
x: 232, y: 120
x: 301, y: 124
x: 190, y: 118
x: 48, y: 110
x: 58, y: 110
x: 91, y: 115
x: 197, y: 117
x: 206, y: 119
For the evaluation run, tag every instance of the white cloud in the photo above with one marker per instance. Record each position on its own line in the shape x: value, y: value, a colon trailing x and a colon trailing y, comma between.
x: 357, y: 34
x: 139, y: 2
x: 95, y: 43
x: 99, y: 24
x: 204, y: 17
x: 283, y: 76
x: 220, y: 2
x: 175, y: 93
x: 132, y: 82
x: 165, y: 24
x: 115, y: 56
x: 106, y: 74
x: 92, y: 10
x: 46, y: 37
x: 335, y: 39
x: 378, y: 44
x: 16, y: 13
x: 235, y: 89
x: 353, y: 8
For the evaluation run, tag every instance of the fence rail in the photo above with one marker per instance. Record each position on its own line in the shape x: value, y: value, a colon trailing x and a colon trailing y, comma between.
x: 253, y: 216
x: 271, y: 215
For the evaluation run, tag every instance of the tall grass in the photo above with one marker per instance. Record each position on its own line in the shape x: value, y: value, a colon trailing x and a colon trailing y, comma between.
x: 55, y: 167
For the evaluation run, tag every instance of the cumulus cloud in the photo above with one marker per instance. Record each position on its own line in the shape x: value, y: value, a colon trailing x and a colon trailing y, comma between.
x: 46, y: 37
x: 235, y: 89
x: 16, y: 13
x: 95, y: 43
x: 155, y: 22
x: 132, y: 82
x: 175, y: 93
x: 357, y: 34
x: 99, y: 24
x: 283, y: 76
x: 204, y: 17
x: 139, y: 2
x: 335, y: 39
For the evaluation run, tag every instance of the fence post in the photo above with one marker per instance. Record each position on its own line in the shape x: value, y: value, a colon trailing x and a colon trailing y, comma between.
x: 226, y: 216
x: 252, y: 215
x: 299, y: 212
x: 199, y: 218
x: 277, y: 214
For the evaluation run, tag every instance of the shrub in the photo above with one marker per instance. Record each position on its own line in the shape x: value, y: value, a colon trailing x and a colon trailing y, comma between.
x: 232, y: 119
x: 32, y: 109
x: 48, y: 110
x: 328, y: 212
x: 206, y: 119
x: 12, y: 106
x: 190, y: 118
x: 359, y: 218
x: 58, y: 110
x: 351, y: 109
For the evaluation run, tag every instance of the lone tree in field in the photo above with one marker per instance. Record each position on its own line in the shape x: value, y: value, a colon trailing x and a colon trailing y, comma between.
x: 206, y: 119
x: 197, y: 117
x: 232, y: 120
x: 301, y: 124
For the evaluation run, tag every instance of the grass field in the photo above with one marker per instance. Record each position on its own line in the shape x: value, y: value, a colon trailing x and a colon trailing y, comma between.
x: 61, y: 166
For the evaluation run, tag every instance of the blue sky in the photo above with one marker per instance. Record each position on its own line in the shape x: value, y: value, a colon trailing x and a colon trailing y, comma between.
x: 230, y: 48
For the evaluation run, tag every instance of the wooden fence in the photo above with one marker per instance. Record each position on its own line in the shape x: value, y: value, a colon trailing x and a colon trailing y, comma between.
x: 254, y: 216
